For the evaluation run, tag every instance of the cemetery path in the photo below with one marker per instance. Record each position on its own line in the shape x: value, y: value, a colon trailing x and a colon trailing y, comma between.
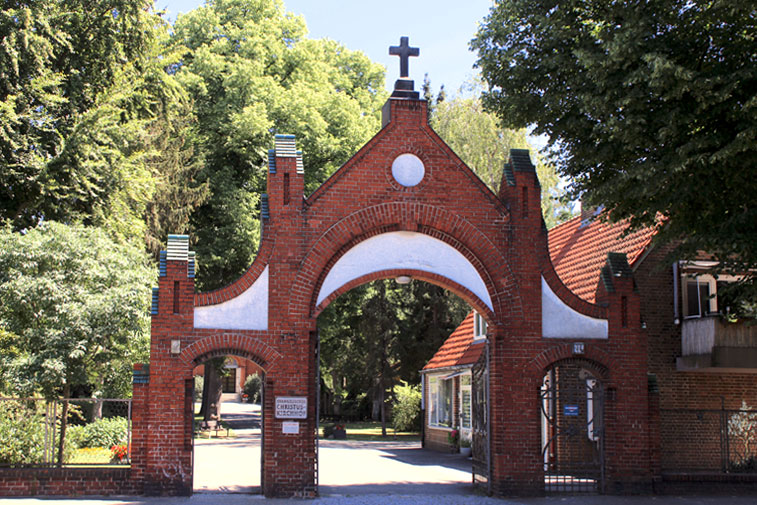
x: 232, y: 465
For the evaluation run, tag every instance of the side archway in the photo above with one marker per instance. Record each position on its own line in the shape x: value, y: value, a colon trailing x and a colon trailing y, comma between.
x: 245, y: 346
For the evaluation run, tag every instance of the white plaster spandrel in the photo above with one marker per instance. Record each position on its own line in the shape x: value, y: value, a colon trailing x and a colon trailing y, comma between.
x: 248, y: 311
x: 400, y: 250
x: 558, y: 320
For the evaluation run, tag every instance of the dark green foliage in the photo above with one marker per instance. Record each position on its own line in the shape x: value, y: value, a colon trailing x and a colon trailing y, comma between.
x: 650, y: 108
x: 253, y: 387
x: 75, y: 306
x: 379, y: 334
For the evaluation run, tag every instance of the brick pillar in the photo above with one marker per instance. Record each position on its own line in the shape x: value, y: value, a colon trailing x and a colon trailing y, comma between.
x: 288, y: 458
x: 627, y: 437
x: 139, y: 422
x: 168, y: 468
x: 516, y: 465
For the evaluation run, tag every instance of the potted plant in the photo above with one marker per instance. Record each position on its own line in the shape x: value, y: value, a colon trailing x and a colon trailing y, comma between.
x: 453, y: 437
x: 465, y: 448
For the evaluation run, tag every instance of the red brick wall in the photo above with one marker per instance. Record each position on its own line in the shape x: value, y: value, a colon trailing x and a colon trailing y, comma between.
x: 503, y: 240
x: 67, y: 482
x: 689, y: 440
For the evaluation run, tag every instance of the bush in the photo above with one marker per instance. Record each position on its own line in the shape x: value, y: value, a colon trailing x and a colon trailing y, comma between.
x: 199, y: 385
x: 406, y: 408
x: 22, y: 434
x: 253, y: 385
x: 75, y: 435
x: 105, y: 432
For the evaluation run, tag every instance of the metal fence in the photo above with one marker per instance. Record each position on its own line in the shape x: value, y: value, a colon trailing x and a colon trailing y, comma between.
x: 64, y: 432
x: 708, y: 440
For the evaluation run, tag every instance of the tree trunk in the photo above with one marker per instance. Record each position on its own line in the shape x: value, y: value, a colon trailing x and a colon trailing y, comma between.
x: 383, y: 408
x: 63, y: 423
x: 212, y: 390
x: 98, y: 408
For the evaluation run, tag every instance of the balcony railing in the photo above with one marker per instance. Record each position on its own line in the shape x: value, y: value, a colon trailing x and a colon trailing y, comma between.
x: 712, y: 344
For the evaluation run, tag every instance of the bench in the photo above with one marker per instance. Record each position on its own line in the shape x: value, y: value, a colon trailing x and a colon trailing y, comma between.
x: 213, y: 426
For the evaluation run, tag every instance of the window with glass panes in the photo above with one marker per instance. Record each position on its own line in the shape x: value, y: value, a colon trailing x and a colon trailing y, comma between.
x: 439, y: 401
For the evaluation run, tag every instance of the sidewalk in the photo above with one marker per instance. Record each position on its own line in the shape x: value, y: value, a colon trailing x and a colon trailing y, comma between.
x: 396, y: 499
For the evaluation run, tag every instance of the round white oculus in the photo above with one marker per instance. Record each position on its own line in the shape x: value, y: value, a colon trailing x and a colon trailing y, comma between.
x: 408, y: 170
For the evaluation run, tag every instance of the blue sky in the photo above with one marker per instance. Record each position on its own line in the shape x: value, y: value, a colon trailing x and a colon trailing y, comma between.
x: 441, y: 29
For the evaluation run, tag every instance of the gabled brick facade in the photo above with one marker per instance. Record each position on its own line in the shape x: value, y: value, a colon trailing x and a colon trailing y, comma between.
x: 314, y: 248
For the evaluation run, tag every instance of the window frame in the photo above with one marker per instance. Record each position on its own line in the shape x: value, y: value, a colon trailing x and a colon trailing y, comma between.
x: 480, y: 327
x: 440, y: 412
x: 700, y: 279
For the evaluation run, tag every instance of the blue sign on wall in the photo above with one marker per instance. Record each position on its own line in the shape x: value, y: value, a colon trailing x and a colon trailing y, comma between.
x: 570, y: 410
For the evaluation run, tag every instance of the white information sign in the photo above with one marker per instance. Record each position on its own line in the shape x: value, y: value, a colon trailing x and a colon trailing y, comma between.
x: 291, y: 407
x: 290, y: 427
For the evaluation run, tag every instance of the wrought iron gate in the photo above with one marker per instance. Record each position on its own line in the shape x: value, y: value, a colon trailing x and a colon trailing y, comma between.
x: 480, y: 424
x: 572, y: 414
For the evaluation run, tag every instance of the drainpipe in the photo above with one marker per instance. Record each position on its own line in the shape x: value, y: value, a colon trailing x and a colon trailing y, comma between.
x: 676, y: 287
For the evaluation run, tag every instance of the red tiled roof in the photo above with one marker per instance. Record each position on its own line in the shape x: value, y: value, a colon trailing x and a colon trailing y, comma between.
x: 579, y: 252
x: 458, y: 349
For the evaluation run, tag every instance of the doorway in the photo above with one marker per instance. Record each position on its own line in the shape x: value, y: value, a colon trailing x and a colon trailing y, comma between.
x: 228, y: 426
x: 572, y: 425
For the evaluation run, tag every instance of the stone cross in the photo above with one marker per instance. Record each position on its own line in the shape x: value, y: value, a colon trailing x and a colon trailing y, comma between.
x: 404, y: 51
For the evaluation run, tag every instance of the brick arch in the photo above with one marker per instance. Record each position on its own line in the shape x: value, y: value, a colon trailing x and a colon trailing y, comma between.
x: 435, y: 222
x: 245, y: 346
x: 600, y: 362
x: 422, y: 275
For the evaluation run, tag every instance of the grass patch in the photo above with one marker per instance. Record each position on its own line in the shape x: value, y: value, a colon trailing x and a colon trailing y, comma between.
x: 371, y: 431
x: 223, y: 431
x: 91, y: 455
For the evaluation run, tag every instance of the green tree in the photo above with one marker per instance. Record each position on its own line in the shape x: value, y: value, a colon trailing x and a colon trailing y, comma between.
x: 381, y: 333
x: 650, y: 107
x: 94, y: 128
x: 57, y: 60
x: 477, y: 137
x: 251, y: 72
x: 74, y: 307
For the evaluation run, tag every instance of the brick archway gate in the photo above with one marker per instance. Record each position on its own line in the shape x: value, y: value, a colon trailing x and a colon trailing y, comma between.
x: 405, y: 204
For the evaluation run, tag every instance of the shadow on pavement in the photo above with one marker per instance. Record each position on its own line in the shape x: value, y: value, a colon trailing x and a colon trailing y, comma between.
x: 418, y: 456
x: 242, y: 421
x: 399, y: 488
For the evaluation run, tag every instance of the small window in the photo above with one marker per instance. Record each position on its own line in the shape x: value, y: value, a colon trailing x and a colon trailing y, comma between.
x: 229, y: 381
x: 698, y: 299
x: 479, y: 326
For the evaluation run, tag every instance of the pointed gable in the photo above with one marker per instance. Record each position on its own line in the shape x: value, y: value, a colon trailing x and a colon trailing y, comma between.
x: 579, y: 250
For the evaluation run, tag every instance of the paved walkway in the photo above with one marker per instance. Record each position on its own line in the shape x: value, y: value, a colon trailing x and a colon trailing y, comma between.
x: 231, y: 465
x: 345, y: 467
